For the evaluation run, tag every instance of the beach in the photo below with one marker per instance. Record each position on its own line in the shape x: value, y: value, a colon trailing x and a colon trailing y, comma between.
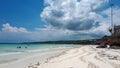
x: 87, y: 56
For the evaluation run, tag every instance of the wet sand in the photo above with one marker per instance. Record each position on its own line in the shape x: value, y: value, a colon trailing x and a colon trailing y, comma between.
x: 81, y: 57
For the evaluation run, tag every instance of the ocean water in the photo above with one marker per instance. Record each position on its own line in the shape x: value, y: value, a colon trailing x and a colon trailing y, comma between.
x: 11, y: 52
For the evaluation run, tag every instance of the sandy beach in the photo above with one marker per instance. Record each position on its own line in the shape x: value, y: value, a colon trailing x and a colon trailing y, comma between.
x: 81, y: 57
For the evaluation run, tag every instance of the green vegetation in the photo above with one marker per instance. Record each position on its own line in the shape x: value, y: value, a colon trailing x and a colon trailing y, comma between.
x: 91, y: 41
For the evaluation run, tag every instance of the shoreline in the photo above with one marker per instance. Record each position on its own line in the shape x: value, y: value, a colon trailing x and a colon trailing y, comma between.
x: 41, y: 57
x: 18, y: 55
x: 87, y: 56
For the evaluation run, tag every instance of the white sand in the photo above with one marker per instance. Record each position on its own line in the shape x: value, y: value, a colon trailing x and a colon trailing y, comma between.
x: 41, y: 58
x: 86, y: 57
x: 83, y: 57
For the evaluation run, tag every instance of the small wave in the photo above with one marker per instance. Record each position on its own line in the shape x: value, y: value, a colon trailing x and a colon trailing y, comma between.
x: 4, y: 54
x: 46, y: 49
x: 13, y: 51
x: 38, y: 50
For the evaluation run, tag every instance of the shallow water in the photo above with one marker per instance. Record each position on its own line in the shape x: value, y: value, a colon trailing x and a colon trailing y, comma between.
x: 10, y: 52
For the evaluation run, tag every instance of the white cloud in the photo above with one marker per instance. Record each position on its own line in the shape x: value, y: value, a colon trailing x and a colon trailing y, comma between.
x: 116, y: 15
x: 84, y: 16
x: 9, y: 33
x: 15, y: 34
x: 72, y: 14
x: 8, y: 28
x: 66, y: 20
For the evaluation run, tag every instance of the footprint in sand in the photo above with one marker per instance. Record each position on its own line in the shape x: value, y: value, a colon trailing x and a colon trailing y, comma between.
x: 91, y: 65
x: 70, y: 67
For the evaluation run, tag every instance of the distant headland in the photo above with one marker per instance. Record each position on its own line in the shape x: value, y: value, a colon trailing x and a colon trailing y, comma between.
x: 89, y: 41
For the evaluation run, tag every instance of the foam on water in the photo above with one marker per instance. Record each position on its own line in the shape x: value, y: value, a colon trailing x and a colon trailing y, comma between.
x: 10, y: 52
x: 5, y: 54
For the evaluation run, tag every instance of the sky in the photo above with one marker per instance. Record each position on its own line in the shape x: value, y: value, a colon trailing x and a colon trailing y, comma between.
x: 52, y: 20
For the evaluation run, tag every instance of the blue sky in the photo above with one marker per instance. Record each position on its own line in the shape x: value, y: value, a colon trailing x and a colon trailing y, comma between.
x: 25, y: 13
x: 44, y: 20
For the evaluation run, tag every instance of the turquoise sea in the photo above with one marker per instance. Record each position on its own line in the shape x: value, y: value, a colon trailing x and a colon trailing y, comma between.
x: 13, y: 52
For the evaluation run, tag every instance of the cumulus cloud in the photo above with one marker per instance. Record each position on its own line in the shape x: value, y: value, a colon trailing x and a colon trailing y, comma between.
x: 9, y: 33
x: 73, y: 14
x: 66, y: 20
x: 82, y: 17
x: 14, y: 34
x: 116, y: 15
x: 8, y: 28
